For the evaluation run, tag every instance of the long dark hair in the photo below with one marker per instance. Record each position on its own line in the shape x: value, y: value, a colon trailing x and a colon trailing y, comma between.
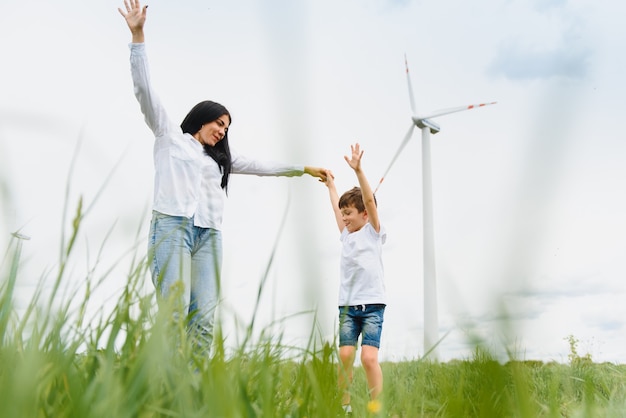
x: 203, y: 113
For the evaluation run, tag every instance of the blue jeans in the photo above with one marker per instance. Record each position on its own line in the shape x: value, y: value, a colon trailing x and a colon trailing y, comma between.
x: 366, y: 320
x: 186, y: 260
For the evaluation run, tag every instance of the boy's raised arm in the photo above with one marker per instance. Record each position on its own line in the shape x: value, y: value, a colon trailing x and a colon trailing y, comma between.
x: 366, y: 190
x: 334, y: 201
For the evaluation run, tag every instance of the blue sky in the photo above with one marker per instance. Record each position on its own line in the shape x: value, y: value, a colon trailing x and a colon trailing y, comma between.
x: 528, y: 194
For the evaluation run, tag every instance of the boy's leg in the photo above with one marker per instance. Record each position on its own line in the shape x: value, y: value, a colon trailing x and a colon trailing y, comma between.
x: 372, y: 328
x: 345, y: 372
x: 349, y: 330
x: 373, y: 372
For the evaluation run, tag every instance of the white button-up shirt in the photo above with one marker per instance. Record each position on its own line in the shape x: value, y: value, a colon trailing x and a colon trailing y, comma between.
x: 187, y: 182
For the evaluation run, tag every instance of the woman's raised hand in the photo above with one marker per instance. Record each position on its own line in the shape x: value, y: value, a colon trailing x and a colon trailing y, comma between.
x: 135, y: 17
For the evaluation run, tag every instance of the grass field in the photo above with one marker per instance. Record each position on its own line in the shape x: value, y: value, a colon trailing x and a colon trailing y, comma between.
x: 136, y: 362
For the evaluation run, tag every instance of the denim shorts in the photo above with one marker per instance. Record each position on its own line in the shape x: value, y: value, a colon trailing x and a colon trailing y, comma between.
x: 364, y: 320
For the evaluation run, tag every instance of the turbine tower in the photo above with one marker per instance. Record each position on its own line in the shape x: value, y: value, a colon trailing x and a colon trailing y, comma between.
x: 428, y: 127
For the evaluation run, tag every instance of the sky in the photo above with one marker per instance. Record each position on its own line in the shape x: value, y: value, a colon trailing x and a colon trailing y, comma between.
x: 528, y: 194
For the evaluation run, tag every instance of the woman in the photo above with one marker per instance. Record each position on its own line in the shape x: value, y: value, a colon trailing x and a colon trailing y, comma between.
x: 192, y: 163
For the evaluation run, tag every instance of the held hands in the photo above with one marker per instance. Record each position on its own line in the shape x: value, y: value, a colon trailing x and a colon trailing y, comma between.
x: 135, y: 17
x: 329, y: 180
x: 322, y: 174
x: 355, y: 161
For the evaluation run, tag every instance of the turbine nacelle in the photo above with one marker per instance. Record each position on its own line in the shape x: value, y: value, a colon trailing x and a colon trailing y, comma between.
x: 426, y: 123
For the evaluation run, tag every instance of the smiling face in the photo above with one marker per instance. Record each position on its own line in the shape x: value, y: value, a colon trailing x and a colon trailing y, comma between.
x: 352, y: 218
x: 213, y: 132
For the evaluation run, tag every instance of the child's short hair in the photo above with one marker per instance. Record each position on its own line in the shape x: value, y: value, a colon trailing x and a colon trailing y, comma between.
x: 353, y: 197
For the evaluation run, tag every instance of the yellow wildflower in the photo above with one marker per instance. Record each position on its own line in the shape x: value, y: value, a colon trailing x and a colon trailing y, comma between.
x: 374, y: 406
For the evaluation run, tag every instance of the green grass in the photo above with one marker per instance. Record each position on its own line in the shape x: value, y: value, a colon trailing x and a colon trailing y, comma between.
x: 136, y: 362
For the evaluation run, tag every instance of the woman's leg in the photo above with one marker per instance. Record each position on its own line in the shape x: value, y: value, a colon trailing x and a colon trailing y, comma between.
x: 206, y: 266
x: 170, y: 259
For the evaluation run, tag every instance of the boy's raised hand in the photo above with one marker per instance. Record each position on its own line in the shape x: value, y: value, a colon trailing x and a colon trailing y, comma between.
x: 355, y: 161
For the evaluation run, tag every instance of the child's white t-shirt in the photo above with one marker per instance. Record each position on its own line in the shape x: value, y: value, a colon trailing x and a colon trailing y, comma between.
x: 361, y: 267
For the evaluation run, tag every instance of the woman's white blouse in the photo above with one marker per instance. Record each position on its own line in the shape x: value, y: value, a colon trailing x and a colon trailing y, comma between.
x: 186, y: 180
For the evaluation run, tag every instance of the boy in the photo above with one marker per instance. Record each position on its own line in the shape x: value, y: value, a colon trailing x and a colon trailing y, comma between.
x: 361, y: 289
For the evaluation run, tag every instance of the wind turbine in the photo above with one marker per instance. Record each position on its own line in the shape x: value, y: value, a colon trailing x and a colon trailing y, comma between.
x: 428, y: 127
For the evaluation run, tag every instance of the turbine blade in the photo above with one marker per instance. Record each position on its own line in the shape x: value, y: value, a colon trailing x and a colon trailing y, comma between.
x: 395, y: 157
x: 408, y: 80
x: 449, y: 110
